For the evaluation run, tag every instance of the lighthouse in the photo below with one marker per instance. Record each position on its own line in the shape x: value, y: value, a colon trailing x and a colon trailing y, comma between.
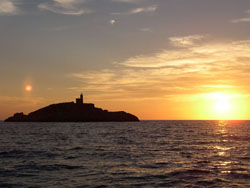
x: 79, y: 100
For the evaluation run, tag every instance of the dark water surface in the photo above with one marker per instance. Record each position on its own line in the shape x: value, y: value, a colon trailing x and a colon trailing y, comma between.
x: 141, y: 154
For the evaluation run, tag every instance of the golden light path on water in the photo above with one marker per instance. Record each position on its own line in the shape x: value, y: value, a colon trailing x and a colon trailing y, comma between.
x: 224, y: 149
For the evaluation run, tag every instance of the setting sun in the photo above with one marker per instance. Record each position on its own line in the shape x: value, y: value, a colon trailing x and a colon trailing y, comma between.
x: 222, y: 105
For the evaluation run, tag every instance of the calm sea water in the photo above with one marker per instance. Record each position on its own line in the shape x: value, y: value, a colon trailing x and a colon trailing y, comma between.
x: 141, y: 154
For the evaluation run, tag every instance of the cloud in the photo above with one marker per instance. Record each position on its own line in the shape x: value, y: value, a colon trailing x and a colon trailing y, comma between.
x: 139, y: 10
x: 7, y: 7
x: 190, y: 56
x: 146, y: 29
x: 187, y: 70
x: 145, y: 9
x: 242, y: 20
x: 66, y: 7
x: 185, y: 41
x: 128, y: 1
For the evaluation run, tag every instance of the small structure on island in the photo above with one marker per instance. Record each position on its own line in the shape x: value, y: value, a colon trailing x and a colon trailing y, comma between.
x: 79, y: 100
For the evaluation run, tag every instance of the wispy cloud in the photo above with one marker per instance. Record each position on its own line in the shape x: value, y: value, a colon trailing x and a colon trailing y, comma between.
x: 193, y: 68
x: 66, y: 7
x: 139, y: 10
x: 242, y: 20
x: 7, y: 7
x: 143, y: 9
x: 146, y: 29
x: 128, y: 1
x: 185, y: 41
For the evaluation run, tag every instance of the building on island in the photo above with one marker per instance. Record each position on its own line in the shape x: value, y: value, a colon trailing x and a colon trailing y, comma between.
x: 79, y: 100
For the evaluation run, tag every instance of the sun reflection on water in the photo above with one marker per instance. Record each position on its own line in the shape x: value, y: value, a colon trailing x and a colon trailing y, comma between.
x: 221, y: 149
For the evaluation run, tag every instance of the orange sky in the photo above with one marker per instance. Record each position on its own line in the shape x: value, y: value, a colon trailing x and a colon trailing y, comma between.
x: 155, y: 59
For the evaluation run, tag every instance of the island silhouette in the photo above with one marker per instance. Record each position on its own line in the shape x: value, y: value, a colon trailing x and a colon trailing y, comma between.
x: 72, y: 112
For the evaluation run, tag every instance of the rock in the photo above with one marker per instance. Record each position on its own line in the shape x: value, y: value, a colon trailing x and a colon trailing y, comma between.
x: 72, y: 112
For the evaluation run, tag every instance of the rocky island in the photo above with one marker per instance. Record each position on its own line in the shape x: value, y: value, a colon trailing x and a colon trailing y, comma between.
x: 72, y: 112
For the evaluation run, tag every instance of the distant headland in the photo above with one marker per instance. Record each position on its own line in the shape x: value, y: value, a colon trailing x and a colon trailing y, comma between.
x: 72, y: 112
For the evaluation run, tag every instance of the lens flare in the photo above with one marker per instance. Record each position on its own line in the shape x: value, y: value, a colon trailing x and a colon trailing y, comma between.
x: 28, y: 88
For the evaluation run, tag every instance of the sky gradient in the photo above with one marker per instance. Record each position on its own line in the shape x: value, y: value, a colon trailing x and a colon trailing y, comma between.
x: 157, y: 59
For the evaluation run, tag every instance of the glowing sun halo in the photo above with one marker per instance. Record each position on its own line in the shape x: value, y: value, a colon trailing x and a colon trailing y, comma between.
x: 223, y: 106
x: 222, y: 103
x: 28, y: 88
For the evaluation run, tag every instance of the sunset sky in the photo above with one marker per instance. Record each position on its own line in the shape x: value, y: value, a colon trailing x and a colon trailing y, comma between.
x: 157, y: 59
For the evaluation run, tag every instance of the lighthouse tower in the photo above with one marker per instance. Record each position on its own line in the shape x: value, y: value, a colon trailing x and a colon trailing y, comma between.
x: 79, y: 100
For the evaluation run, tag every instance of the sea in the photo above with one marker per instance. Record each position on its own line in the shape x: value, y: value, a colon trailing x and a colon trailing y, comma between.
x: 127, y: 154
